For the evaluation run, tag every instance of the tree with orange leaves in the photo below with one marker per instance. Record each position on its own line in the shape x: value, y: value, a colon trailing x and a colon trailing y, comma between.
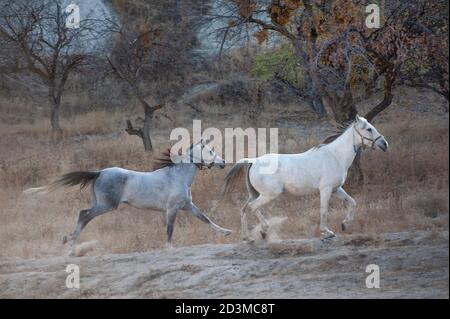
x: 340, y: 55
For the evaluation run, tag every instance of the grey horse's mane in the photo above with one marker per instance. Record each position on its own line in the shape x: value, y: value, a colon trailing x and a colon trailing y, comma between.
x: 165, y: 159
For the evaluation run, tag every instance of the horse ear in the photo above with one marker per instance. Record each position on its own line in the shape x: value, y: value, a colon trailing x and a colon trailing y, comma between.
x: 204, y: 141
x: 357, y: 118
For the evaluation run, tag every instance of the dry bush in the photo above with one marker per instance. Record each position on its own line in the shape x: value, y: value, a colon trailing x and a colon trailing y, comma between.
x: 405, y: 189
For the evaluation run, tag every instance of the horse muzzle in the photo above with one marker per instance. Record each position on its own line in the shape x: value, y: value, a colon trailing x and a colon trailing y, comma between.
x: 382, y: 144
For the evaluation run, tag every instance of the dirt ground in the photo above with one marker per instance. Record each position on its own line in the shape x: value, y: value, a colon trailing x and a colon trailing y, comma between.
x: 412, y: 265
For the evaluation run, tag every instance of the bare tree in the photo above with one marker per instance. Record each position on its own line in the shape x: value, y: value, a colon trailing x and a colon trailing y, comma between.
x: 153, y: 53
x: 131, y: 60
x: 45, y: 46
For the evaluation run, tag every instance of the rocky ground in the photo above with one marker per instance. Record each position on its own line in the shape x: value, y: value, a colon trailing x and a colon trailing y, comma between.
x: 412, y: 265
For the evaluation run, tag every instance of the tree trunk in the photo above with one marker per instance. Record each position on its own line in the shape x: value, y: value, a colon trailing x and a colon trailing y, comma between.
x: 144, y: 131
x: 148, y: 147
x: 54, y: 117
x: 355, y: 177
x: 343, y: 108
x: 387, y: 98
x: 55, y: 104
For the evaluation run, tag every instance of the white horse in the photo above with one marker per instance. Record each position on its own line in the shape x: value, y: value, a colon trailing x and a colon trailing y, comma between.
x: 323, y: 168
x: 166, y: 189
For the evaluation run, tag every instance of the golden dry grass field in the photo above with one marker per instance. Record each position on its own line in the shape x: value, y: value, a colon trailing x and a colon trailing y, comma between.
x: 405, y: 189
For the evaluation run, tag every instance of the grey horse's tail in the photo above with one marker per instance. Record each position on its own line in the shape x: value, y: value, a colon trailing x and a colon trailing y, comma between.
x: 234, y: 176
x: 70, y: 179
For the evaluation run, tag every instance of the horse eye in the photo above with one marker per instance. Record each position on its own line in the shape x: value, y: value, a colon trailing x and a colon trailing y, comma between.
x: 210, y: 152
x: 369, y: 130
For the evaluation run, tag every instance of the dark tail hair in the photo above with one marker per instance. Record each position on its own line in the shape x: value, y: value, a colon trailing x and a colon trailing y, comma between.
x: 75, y: 178
x: 69, y: 179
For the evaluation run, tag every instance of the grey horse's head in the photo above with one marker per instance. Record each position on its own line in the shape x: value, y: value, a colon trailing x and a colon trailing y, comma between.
x: 369, y: 135
x: 204, y: 155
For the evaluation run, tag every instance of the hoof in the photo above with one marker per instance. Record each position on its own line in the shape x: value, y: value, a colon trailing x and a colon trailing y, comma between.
x: 248, y: 240
x: 227, y: 232
x: 65, y: 240
x: 328, y: 237
x: 343, y: 227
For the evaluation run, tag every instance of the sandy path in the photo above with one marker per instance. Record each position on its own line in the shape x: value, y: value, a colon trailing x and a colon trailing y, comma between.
x: 412, y: 265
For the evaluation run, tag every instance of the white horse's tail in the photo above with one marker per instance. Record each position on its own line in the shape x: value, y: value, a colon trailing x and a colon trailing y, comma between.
x: 69, y: 179
x: 237, y: 173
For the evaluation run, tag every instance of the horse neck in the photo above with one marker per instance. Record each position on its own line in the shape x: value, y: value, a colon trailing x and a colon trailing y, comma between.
x: 344, y: 148
x: 188, y: 172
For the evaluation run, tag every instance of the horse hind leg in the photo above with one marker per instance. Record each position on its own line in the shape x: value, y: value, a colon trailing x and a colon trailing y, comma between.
x: 83, y: 219
x: 245, y: 234
x: 253, y: 194
x: 82, y: 215
x: 170, y: 221
x: 257, y: 205
x: 85, y: 216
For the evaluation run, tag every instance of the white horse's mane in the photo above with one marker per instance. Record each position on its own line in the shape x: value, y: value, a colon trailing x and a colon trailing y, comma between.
x: 331, y: 138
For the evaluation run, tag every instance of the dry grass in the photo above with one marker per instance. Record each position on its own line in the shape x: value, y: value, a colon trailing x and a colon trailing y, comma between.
x: 406, y: 188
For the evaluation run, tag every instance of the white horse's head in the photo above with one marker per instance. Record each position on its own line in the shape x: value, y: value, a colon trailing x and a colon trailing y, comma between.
x: 369, y: 135
x: 205, y: 156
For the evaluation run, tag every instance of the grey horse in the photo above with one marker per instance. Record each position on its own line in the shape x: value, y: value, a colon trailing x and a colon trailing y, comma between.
x: 165, y: 189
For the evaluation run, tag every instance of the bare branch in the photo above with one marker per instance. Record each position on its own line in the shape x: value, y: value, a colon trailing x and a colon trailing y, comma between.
x: 133, y: 131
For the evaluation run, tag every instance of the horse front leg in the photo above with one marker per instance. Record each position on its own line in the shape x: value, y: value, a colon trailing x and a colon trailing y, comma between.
x: 200, y: 215
x: 350, y: 203
x: 325, y: 195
